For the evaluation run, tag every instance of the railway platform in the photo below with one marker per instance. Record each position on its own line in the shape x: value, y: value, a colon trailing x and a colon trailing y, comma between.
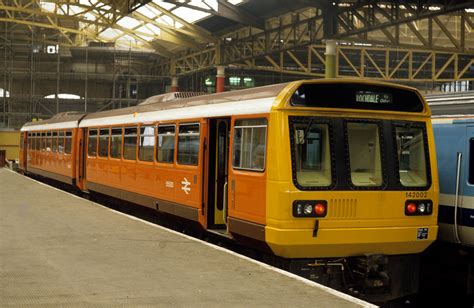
x: 57, y: 249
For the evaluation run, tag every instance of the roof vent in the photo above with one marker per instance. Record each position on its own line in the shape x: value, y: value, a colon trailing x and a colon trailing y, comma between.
x: 169, y: 97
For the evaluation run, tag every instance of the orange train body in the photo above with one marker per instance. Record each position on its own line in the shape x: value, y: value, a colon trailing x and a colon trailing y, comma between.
x: 229, y: 161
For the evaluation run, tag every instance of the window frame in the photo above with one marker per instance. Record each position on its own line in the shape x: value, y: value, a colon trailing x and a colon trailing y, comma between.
x: 422, y: 126
x: 139, y: 141
x: 177, y: 143
x: 121, y: 142
x: 68, y: 134
x: 137, y: 133
x: 96, y: 141
x: 100, y: 129
x: 54, y: 141
x: 265, y: 142
x: 62, y: 136
x: 292, y: 120
x: 383, y: 158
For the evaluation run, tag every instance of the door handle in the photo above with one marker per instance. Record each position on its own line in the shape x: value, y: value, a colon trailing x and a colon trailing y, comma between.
x: 456, y: 200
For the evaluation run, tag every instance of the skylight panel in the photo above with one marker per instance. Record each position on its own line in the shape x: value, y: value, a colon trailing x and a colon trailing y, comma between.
x: 75, y: 10
x: 64, y: 96
x: 165, y: 5
x: 154, y: 29
x: 146, y: 38
x: 145, y: 29
x: 235, y: 2
x: 166, y: 20
x: 146, y: 10
x: 189, y: 15
x: 199, y: 3
x: 127, y: 38
x: 89, y: 16
x: 178, y: 25
x: 212, y: 4
x: 110, y: 33
x: 128, y: 22
x: 48, y: 6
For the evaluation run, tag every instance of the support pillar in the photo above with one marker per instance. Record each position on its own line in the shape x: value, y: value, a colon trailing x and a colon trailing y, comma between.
x: 330, y: 67
x: 220, y: 79
x: 174, y: 84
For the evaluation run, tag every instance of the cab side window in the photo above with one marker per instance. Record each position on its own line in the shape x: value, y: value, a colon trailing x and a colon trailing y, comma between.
x: 249, y: 148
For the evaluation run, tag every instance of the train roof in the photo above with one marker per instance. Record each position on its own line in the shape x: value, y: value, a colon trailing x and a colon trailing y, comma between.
x: 256, y: 100
x: 61, y: 120
x: 453, y: 104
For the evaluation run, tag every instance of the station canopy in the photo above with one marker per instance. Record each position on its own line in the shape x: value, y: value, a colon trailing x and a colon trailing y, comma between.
x: 157, y: 25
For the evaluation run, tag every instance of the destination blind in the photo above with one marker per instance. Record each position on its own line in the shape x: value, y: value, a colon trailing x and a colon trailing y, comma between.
x: 356, y: 96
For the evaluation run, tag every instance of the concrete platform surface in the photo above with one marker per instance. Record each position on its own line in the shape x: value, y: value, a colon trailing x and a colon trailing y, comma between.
x: 60, y: 250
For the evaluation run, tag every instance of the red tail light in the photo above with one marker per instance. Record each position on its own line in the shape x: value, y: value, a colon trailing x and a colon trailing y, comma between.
x: 319, y: 209
x: 411, y: 208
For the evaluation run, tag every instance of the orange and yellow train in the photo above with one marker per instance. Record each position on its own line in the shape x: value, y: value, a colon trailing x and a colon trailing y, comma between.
x: 328, y: 173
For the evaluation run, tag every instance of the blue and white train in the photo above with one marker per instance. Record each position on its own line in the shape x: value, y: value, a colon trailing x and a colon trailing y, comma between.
x: 453, y: 126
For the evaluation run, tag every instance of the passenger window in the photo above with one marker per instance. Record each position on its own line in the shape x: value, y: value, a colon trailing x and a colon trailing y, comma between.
x: 147, y: 143
x: 49, y: 140
x: 471, y: 161
x: 188, y: 144
x: 104, y: 142
x: 92, y: 143
x: 130, y: 143
x: 61, y: 141
x: 312, y: 154
x: 43, y: 141
x: 116, y: 143
x: 68, y: 142
x: 364, y: 154
x: 54, y: 142
x: 250, y: 144
x: 411, y: 156
x: 165, y: 144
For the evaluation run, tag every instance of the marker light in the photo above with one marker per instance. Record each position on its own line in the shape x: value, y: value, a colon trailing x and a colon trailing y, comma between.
x: 308, y: 209
x: 319, y: 209
x: 421, y: 208
x: 411, y: 208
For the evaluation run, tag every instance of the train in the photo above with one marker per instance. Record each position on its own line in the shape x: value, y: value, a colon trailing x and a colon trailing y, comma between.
x: 337, y: 178
x: 453, y: 126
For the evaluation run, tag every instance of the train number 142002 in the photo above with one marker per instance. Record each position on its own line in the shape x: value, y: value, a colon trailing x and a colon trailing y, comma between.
x: 416, y: 194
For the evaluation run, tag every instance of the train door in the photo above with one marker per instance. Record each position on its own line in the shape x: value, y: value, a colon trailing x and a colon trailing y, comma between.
x: 81, y: 155
x: 23, y: 150
x: 218, y: 172
x: 466, y: 191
